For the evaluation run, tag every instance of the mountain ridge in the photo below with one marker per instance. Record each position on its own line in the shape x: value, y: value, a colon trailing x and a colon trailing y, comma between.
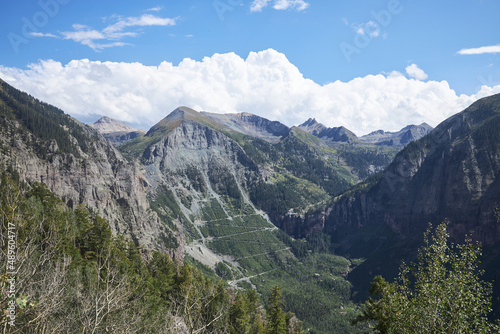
x: 42, y: 144
x: 399, y: 138
x: 441, y: 176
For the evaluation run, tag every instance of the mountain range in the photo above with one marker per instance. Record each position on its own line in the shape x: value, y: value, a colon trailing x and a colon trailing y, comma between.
x: 221, y: 190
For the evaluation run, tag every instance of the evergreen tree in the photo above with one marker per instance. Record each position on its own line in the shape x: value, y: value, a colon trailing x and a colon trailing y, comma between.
x: 276, y: 317
x: 239, y: 315
x: 442, y: 293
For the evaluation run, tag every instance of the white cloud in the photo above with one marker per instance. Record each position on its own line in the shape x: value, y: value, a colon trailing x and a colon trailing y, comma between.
x: 290, y: 4
x: 144, y: 20
x: 98, y: 40
x: 259, y: 5
x: 40, y: 34
x: 480, y: 50
x: 154, y: 9
x: 265, y: 83
x: 415, y: 72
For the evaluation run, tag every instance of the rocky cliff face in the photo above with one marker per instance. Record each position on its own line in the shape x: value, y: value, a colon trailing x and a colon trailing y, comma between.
x: 452, y: 173
x: 195, y: 145
x: 92, y: 172
x: 204, y: 173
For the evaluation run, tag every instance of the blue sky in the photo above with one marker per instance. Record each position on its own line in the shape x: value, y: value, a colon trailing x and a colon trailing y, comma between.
x: 444, y: 50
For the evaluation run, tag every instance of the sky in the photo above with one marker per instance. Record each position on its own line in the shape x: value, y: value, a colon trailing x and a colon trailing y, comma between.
x: 362, y: 64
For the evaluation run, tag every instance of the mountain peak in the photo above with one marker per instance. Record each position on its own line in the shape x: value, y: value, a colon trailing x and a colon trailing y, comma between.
x: 336, y: 134
x: 104, y: 119
x: 183, y: 113
x: 309, y: 122
x: 399, y: 138
x: 180, y: 115
x: 105, y: 125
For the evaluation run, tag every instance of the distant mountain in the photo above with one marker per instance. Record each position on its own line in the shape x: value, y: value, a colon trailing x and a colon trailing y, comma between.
x: 336, y: 134
x: 117, y: 132
x: 341, y: 134
x: 252, y: 125
x: 399, y: 138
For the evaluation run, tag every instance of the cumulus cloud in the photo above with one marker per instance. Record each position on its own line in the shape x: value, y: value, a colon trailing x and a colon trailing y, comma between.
x: 265, y: 83
x: 111, y: 34
x: 480, y: 50
x: 259, y: 5
x: 415, y: 72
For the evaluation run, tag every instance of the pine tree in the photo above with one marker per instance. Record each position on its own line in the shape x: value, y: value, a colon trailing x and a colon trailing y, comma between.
x: 276, y: 317
x: 239, y: 314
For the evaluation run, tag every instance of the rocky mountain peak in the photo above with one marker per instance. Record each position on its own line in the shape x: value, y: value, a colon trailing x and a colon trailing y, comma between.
x: 178, y: 116
x: 335, y: 134
x: 108, y: 125
x: 115, y: 131
x: 312, y: 125
x: 182, y: 113
x: 309, y: 122
x: 402, y: 137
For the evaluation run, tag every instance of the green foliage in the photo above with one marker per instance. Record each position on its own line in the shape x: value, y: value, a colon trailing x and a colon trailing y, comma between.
x: 223, y: 271
x: 223, y: 182
x: 487, y: 135
x: 245, y: 315
x: 276, y: 317
x: 316, y: 242
x: 286, y: 193
x: 196, y: 178
x: 266, y: 256
x: 441, y: 293
x: 44, y: 121
x: 301, y: 159
x: 260, y: 151
x: 77, y: 278
x: 163, y: 274
x: 319, y: 242
x: 361, y: 157
x: 94, y: 233
x: 135, y: 147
